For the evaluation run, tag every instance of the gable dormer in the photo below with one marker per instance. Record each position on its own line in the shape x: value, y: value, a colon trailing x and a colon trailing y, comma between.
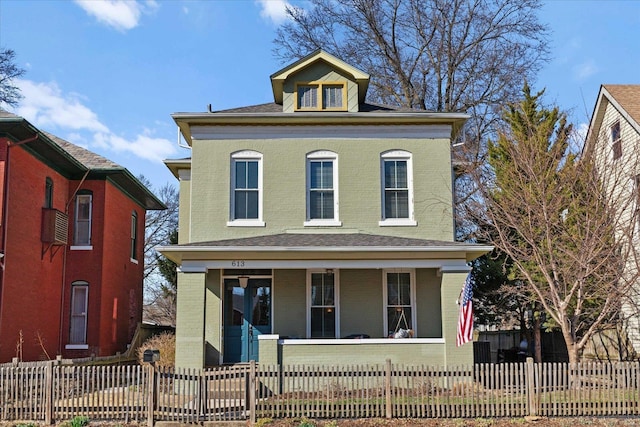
x: 319, y: 82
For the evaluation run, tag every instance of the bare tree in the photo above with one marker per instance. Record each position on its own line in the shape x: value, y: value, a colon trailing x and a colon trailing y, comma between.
x: 553, y: 212
x: 159, y: 227
x: 441, y: 55
x: 469, y: 56
x: 9, y: 94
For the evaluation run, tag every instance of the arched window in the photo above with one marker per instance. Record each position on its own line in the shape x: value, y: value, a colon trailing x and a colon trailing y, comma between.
x: 48, y: 193
x: 246, y: 189
x: 322, y: 188
x: 397, y: 188
x: 134, y: 235
x: 82, y: 220
x: 79, y: 306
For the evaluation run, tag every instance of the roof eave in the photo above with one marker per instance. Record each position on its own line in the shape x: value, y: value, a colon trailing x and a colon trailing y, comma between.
x: 178, y: 253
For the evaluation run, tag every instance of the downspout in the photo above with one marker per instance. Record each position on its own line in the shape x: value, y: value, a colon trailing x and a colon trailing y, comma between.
x: 64, y: 264
x: 5, y: 207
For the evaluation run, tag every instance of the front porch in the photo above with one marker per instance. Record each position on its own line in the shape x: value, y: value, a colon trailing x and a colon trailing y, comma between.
x: 291, y: 299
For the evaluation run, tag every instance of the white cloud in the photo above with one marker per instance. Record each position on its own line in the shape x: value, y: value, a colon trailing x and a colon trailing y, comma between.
x: 45, y: 106
x: 122, y: 15
x: 143, y: 146
x: 585, y: 70
x: 274, y: 10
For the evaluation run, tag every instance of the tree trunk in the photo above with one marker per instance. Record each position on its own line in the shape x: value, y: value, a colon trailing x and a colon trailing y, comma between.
x: 537, y: 339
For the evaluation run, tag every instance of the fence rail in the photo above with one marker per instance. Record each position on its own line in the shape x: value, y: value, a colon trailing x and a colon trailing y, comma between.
x: 248, y: 392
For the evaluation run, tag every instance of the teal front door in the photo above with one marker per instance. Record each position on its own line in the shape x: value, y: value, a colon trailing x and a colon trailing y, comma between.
x: 247, y: 314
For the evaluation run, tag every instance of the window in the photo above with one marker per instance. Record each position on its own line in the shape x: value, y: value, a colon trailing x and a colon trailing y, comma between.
x: 636, y: 190
x: 397, y: 197
x: 320, y: 96
x: 48, y: 193
x: 134, y: 235
x: 322, y: 194
x: 246, y: 191
x: 82, y: 223
x: 79, y: 302
x: 616, y: 141
x: 323, y: 293
x: 399, y: 294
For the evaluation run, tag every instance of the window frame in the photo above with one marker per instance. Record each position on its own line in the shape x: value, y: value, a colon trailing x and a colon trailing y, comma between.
x: 48, y: 193
x: 336, y: 301
x: 385, y: 296
x: 397, y: 155
x: 616, y: 143
x: 322, y: 156
x: 76, y: 220
x: 245, y: 156
x: 79, y: 345
x: 133, y: 254
x: 320, y: 85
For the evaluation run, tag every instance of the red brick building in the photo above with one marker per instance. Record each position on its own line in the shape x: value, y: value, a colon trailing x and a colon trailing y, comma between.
x: 71, y: 247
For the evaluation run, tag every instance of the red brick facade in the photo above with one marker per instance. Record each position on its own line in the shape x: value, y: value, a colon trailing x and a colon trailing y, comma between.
x: 37, y: 279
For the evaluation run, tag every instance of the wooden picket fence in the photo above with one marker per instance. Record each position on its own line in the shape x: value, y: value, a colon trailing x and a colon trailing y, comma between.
x: 53, y: 393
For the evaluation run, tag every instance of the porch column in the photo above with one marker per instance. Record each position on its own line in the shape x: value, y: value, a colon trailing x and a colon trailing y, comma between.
x: 451, y: 286
x: 190, y: 320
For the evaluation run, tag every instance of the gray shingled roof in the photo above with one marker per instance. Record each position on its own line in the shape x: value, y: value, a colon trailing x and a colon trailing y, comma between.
x: 73, y: 161
x: 327, y: 240
x: 272, y: 107
x: 88, y: 158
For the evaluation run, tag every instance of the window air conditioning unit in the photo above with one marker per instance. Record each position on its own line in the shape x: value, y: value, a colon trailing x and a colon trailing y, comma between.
x: 55, y: 226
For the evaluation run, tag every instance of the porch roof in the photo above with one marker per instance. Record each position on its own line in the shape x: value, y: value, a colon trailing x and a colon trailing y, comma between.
x: 322, y: 250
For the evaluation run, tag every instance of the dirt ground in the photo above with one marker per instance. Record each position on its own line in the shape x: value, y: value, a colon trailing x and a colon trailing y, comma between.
x: 478, y: 422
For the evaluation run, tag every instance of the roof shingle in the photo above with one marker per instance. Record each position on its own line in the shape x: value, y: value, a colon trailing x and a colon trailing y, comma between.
x: 628, y: 96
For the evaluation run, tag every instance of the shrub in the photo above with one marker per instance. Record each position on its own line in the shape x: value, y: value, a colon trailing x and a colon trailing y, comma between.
x: 166, y: 343
x: 79, y: 421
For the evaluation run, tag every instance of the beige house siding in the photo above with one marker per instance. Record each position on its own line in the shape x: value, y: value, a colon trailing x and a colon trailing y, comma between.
x: 619, y: 178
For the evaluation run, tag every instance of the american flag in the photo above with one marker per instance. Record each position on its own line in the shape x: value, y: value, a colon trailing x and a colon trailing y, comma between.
x: 465, y: 317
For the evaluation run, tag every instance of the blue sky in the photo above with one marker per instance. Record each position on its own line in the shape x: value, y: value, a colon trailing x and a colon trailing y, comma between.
x: 106, y: 75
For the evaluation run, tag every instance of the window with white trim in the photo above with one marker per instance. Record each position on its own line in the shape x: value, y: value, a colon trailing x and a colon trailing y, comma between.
x: 246, y: 189
x: 397, y: 188
x: 322, y: 287
x: 79, y: 305
x: 399, y: 297
x: 322, y: 191
x: 320, y: 96
x: 82, y: 220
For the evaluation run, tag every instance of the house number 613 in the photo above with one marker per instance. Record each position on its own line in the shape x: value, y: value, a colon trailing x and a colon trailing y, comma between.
x: 237, y: 263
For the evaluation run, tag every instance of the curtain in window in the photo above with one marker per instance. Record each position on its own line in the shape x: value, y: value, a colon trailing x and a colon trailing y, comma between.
x: 321, y: 202
x: 332, y: 96
x: 396, y: 189
x: 307, y: 96
x: 246, y: 190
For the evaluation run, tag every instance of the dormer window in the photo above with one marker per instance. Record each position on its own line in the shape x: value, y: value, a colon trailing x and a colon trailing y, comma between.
x: 320, y: 96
